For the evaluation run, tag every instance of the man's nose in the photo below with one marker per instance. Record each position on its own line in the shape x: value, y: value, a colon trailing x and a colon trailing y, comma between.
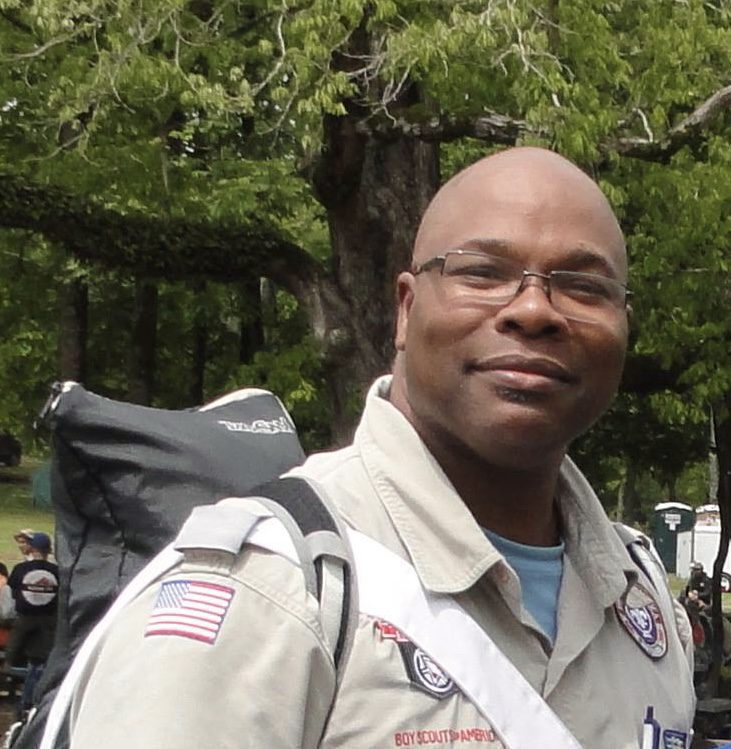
x: 530, y: 311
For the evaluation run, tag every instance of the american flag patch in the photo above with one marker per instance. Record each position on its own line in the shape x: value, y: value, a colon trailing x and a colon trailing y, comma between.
x: 189, y: 608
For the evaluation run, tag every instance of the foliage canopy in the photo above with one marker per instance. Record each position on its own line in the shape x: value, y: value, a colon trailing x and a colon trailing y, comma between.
x: 235, y: 140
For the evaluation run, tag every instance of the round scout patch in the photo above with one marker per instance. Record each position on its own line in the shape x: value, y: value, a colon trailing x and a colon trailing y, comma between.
x: 641, y: 617
x: 430, y: 674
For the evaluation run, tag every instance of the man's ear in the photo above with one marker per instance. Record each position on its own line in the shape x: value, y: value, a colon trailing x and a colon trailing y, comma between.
x: 405, y: 298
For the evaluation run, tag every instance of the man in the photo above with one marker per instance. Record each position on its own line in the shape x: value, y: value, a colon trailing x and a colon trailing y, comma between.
x: 511, y: 334
x: 700, y: 583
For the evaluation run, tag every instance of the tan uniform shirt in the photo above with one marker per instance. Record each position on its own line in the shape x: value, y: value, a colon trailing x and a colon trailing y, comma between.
x: 267, y: 681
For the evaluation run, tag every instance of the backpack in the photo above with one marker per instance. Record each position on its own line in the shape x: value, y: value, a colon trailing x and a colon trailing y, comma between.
x: 124, y: 479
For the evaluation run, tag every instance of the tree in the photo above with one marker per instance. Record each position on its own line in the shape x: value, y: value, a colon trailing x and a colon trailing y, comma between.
x: 301, y: 142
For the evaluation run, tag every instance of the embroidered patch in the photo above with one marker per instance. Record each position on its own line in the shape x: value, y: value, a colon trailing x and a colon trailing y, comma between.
x: 425, y: 673
x: 389, y: 632
x: 674, y: 740
x: 641, y: 617
x: 422, y: 671
x: 189, y: 608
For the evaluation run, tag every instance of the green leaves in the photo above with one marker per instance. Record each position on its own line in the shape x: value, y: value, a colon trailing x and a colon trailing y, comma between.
x: 225, y: 112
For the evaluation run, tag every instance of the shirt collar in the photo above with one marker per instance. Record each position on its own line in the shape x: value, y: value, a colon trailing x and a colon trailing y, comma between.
x: 446, y: 545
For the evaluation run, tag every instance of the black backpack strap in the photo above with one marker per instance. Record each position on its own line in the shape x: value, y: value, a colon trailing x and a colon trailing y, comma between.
x: 320, y: 542
x: 326, y: 545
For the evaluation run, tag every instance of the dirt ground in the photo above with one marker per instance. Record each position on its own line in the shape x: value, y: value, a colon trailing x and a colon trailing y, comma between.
x: 7, y: 715
x: 7, y: 706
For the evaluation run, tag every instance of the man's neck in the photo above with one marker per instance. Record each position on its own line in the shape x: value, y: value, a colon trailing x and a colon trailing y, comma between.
x: 516, y: 502
x: 515, y: 506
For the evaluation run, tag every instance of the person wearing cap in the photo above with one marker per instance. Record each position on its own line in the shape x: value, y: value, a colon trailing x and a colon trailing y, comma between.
x: 34, y: 585
x: 22, y: 538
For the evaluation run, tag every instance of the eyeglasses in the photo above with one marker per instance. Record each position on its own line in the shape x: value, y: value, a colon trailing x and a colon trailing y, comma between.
x: 471, y: 277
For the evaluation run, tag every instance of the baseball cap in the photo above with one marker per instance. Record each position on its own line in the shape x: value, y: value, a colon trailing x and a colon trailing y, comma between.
x: 26, y: 533
x: 40, y: 542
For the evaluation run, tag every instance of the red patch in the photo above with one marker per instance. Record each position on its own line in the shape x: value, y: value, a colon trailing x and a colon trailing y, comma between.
x: 389, y: 632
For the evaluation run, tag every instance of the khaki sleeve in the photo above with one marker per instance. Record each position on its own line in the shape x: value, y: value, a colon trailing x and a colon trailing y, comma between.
x: 266, y: 681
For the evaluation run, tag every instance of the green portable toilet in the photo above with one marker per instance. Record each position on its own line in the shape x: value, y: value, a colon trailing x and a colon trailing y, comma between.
x: 669, y: 520
x: 42, y: 486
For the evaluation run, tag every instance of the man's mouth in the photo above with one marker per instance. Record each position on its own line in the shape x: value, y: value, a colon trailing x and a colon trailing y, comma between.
x: 527, y: 373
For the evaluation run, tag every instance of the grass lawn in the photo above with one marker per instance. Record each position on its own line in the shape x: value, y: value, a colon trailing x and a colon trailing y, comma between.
x: 17, y: 511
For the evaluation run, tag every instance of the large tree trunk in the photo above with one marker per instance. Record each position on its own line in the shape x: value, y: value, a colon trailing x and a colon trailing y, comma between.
x: 73, y: 300
x: 143, y: 349
x: 375, y: 194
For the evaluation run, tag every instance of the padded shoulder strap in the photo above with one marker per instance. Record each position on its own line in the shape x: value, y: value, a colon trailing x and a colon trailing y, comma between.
x: 304, y: 528
x: 327, y: 545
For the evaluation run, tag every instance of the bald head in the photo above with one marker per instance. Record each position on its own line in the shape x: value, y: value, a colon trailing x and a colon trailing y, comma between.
x: 534, y: 186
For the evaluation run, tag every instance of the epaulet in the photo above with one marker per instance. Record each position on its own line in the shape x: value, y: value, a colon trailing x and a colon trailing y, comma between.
x: 643, y: 554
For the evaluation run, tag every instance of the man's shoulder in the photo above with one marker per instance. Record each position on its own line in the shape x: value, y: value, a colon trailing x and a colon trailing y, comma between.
x: 347, y: 481
x: 322, y: 464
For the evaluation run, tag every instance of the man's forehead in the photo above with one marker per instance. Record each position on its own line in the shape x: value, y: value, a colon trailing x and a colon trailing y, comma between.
x: 528, y: 188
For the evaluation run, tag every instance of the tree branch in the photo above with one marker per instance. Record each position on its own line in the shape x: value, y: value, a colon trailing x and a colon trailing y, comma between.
x: 491, y: 126
x: 685, y: 132
x: 500, y: 129
x: 40, y: 51
x: 176, y: 249
x: 157, y: 247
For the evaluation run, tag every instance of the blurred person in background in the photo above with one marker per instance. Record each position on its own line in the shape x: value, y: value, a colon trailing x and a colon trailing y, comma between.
x: 7, y: 606
x: 34, y: 586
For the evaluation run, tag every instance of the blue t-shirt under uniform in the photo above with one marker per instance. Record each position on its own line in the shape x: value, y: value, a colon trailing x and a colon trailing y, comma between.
x: 539, y: 569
